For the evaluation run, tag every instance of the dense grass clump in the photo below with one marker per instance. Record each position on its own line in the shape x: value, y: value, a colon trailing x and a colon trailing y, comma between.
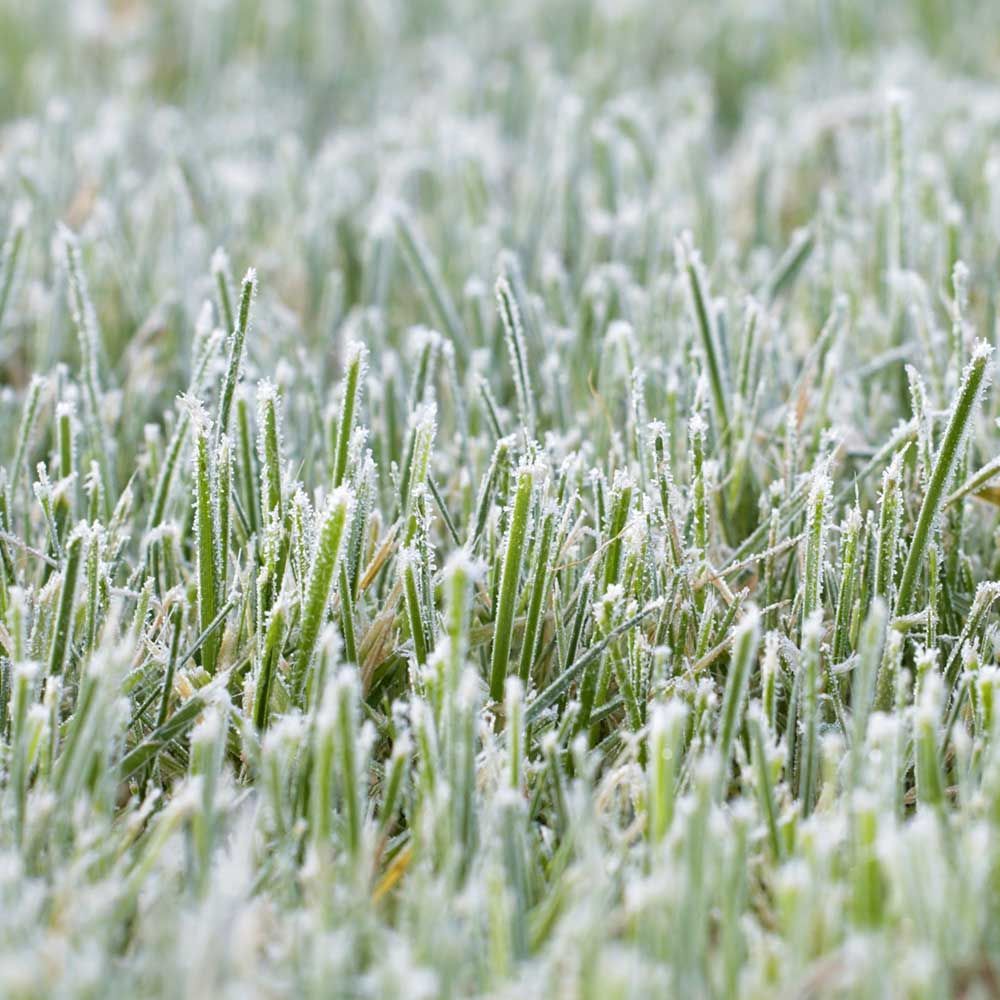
x: 499, y: 499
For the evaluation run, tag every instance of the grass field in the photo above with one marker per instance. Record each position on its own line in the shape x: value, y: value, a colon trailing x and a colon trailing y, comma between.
x: 499, y: 499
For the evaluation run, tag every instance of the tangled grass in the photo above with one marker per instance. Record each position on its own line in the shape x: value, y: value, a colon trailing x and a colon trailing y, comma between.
x: 564, y: 563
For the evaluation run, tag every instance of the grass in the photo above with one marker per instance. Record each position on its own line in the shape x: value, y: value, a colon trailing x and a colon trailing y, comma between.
x: 627, y: 630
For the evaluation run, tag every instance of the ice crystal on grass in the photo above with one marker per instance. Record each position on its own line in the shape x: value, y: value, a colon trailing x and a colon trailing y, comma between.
x: 630, y: 630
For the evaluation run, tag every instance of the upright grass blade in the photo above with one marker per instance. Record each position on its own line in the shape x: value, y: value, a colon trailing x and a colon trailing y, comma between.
x: 518, y: 352
x: 846, y: 594
x: 62, y: 632
x: 897, y: 223
x: 541, y: 554
x: 274, y: 640
x: 9, y: 254
x: 272, y: 499
x: 788, y: 266
x: 408, y: 563
x: 354, y: 373
x: 890, y: 522
x: 809, y: 712
x: 85, y: 321
x: 974, y: 379
x: 350, y: 755
x: 207, y: 532
x: 168, y: 467
x: 25, y: 429
x: 425, y: 269
x: 665, y: 733
x: 234, y: 362
x: 746, y: 638
x: 866, y: 672
x: 815, y: 545
x: 220, y: 272
x: 703, y: 314
x: 330, y: 536
x: 513, y: 556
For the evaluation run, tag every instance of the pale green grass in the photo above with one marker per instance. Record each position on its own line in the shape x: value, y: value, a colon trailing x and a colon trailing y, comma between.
x: 566, y: 563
